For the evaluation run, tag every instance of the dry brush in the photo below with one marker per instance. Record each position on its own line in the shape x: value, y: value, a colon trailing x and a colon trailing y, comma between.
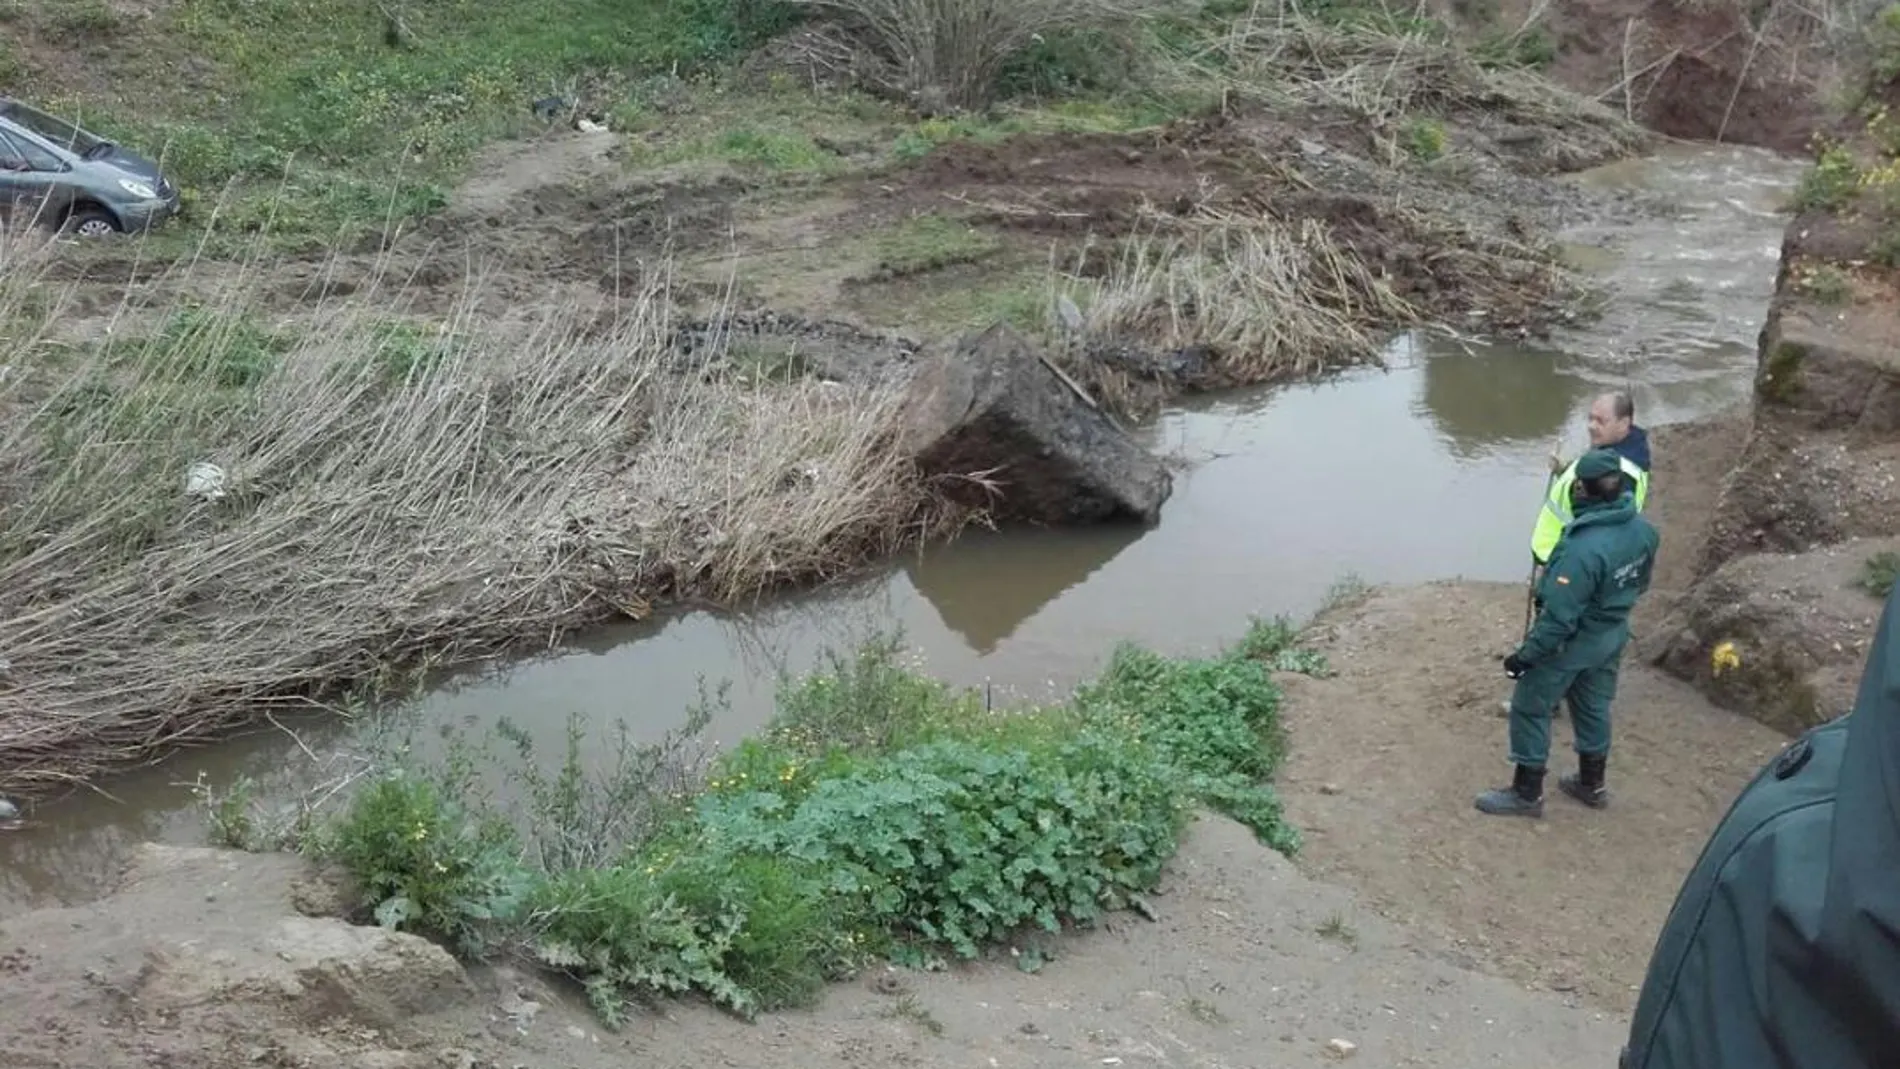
x: 387, y: 496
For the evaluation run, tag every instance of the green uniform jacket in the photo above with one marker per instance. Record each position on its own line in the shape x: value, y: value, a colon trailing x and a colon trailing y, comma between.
x: 1600, y: 567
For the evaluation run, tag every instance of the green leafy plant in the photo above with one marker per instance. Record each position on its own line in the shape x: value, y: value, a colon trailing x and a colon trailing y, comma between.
x: 960, y: 843
x: 1830, y: 183
x: 425, y: 863
x: 1423, y: 138
x: 882, y: 813
x: 1878, y: 573
x: 1214, y: 722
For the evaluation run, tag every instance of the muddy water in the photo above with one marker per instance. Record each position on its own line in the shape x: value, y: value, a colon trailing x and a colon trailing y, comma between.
x: 1430, y: 468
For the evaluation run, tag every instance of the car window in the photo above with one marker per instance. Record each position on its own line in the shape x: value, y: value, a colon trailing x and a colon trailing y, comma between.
x: 35, y: 156
x: 10, y: 158
x: 58, y: 131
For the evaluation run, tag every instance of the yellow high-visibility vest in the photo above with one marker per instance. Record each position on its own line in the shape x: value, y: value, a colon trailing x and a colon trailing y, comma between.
x: 1556, y: 514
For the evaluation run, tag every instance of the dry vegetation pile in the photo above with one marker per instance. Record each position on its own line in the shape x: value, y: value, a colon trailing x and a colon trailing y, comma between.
x: 211, y: 517
x: 1392, y: 75
x: 381, y: 493
x: 1279, y: 267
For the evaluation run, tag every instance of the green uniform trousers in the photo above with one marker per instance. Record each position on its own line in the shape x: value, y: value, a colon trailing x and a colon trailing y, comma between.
x: 1588, y: 691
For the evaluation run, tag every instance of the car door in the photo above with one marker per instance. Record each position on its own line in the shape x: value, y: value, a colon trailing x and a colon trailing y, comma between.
x: 15, y: 177
x: 31, y: 174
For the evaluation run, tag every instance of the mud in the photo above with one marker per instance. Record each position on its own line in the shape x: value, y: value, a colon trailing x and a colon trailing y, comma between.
x: 210, y: 960
x: 1752, y: 76
x: 1384, y: 768
x: 1312, y: 165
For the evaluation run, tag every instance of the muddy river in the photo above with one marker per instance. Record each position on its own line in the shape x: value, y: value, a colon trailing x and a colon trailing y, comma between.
x: 1430, y: 468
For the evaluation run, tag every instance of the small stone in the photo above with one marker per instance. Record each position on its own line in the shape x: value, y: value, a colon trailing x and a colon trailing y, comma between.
x: 1329, y: 788
x: 1341, y: 1048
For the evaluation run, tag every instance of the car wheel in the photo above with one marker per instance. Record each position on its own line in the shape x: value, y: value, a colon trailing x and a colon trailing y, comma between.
x: 91, y: 223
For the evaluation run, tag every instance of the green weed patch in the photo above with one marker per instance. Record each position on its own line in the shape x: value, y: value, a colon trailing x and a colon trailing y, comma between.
x: 882, y: 814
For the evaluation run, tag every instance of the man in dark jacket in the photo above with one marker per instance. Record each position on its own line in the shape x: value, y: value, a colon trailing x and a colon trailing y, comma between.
x: 1598, y: 570
x: 1612, y: 426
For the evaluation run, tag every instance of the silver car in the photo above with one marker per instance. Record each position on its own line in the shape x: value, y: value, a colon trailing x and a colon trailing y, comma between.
x: 55, y: 173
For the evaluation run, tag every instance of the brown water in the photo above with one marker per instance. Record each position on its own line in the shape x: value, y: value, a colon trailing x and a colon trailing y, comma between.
x: 1431, y: 468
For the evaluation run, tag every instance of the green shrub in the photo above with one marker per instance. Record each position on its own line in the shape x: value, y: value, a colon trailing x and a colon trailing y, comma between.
x: 1878, y: 572
x: 1830, y: 183
x: 881, y: 813
x: 960, y: 843
x: 1216, y: 723
x: 427, y: 864
x: 869, y: 702
x: 1423, y: 138
x: 750, y: 932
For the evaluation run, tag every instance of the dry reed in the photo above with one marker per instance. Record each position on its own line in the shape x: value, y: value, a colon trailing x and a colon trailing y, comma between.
x: 1384, y: 75
x: 388, y: 496
x: 1269, y: 299
x: 948, y: 54
x: 1265, y: 297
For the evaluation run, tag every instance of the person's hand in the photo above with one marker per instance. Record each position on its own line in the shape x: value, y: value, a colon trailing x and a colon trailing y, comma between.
x: 1514, y: 666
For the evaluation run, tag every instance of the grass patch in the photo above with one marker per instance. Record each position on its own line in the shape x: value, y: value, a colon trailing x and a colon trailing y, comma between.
x: 454, y: 492
x: 927, y: 243
x: 881, y: 815
x: 1004, y: 289
x: 1878, y: 572
x: 1830, y: 183
x: 311, y: 108
x: 1338, y: 930
x: 1424, y: 139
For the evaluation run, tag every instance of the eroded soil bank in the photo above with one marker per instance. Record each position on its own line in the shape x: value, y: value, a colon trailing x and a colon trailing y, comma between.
x: 224, y: 961
x: 1800, y: 552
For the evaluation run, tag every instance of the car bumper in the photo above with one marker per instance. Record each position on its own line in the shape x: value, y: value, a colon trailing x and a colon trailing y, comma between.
x: 145, y: 214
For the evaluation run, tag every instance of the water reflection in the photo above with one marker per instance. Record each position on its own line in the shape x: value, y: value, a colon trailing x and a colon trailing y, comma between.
x: 1001, y: 579
x: 1481, y: 395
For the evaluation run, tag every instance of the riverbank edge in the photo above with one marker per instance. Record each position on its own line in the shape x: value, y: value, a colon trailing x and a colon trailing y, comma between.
x: 928, y: 519
x: 1799, y: 550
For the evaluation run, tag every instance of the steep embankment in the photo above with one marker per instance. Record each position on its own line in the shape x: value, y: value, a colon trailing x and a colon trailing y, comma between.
x: 1786, y: 589
x: 1753, y: 74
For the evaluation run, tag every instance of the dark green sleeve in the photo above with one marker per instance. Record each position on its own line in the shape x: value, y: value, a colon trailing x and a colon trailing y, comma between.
x: 1567, y: 588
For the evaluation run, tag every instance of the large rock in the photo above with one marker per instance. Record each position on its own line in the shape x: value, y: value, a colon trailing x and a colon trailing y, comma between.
x: 989, y: 410
x: 1830, y: 367
x: 1797, y: 624
x: 201, y: 958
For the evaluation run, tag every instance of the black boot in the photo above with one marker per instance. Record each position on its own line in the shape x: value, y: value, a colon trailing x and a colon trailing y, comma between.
x: 1587, y: 785
x: 1523, y: 798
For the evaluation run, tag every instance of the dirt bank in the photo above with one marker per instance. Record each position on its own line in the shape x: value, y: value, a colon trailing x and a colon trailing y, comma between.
x: 1786, y: 587
x: 219, y: 961
x: 1752, y: 75
x: 1384, y: 766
